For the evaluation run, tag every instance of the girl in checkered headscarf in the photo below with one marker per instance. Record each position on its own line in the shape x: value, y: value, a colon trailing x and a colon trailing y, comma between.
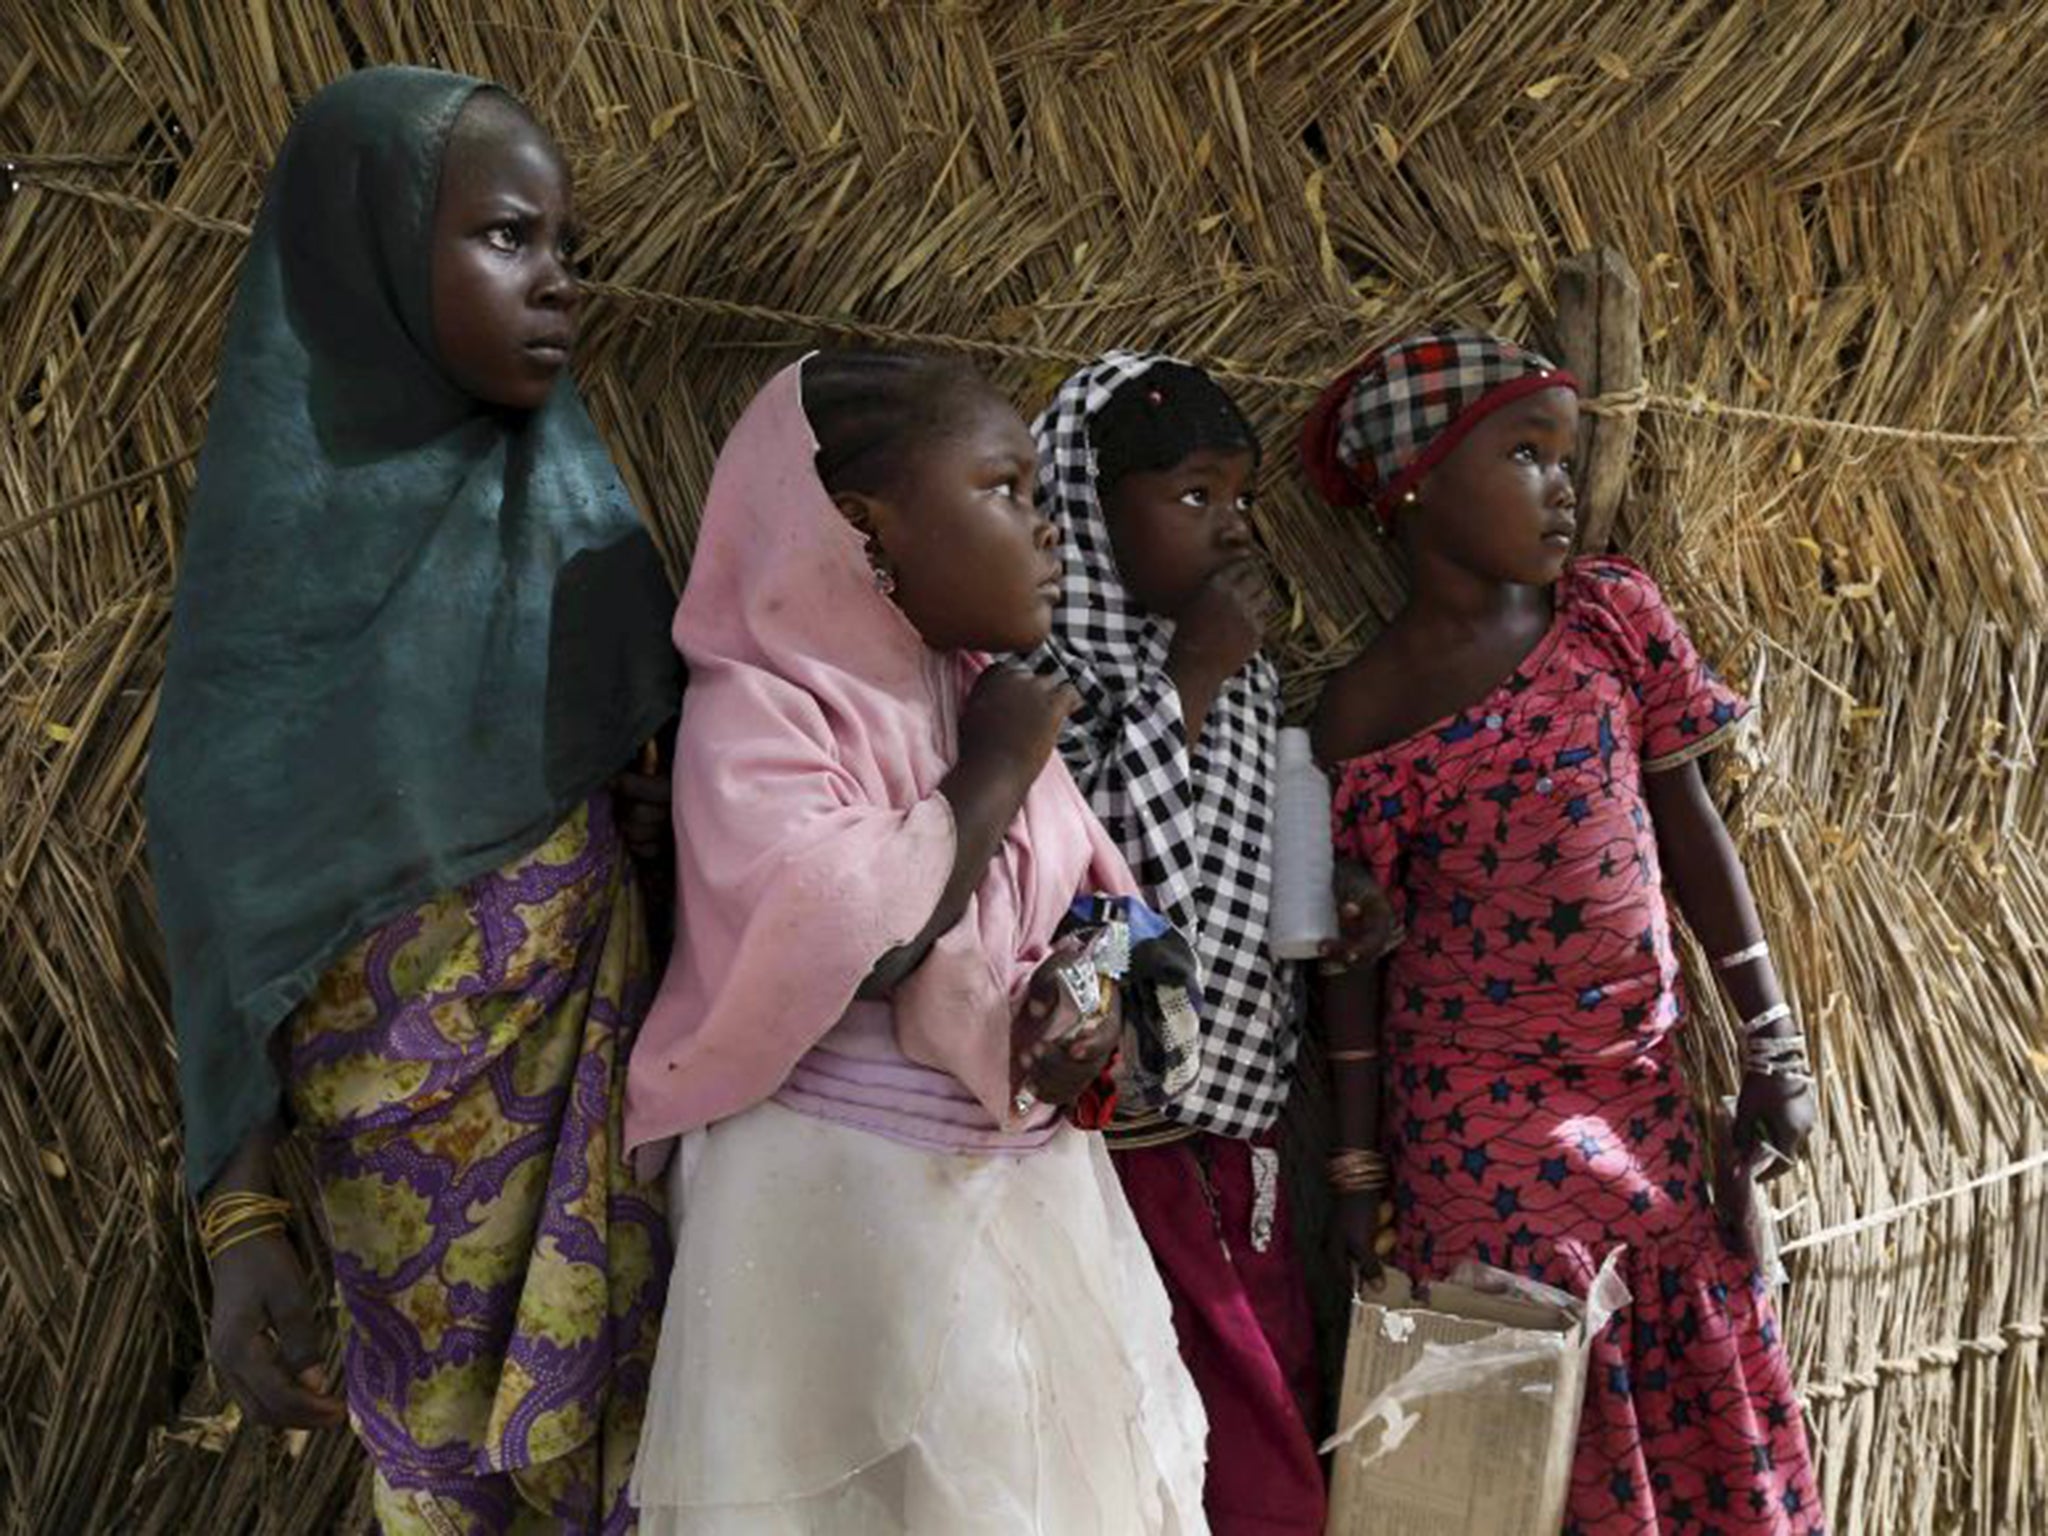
x: 1516, y: 759
x: 1146, y: 468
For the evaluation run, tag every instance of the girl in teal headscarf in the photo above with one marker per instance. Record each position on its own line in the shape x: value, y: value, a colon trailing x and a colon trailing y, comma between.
x: 419, y: 633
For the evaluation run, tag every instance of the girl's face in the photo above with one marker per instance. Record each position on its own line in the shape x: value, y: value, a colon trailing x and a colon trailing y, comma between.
x: 1501, y: 505
x: 975, y: 564
x: 505, y: 299
x: 1173, y: 529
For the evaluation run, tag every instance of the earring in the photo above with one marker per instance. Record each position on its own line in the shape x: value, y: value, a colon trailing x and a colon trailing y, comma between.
x: 1409, y: 496
x: 885, y: 580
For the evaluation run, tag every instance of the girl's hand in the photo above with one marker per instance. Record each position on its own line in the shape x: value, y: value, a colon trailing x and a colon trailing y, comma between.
x: 265, y: 1340
x: 1777, y: 1110
x: 1362, y: 1229
x: 641, y: 800
x: 1012, y: 719
x: 1225, y: 622
x: 1366, y: 926
x: 1053, y: 1056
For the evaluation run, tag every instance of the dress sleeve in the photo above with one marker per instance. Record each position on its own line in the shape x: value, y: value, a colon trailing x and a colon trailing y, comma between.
x: 1683, y: 708
x: 1373, y: 811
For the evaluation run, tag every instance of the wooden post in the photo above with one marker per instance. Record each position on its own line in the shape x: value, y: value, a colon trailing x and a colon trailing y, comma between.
x: 1600, y: 332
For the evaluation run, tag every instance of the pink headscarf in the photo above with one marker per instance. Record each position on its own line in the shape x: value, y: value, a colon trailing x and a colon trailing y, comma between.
x: 811, y: 838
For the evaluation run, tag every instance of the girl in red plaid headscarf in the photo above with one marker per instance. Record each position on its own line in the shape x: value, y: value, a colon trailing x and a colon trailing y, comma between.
x: 1517, y: 760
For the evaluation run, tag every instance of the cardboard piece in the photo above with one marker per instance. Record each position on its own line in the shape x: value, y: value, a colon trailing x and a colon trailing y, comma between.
x: 1461, y: 1406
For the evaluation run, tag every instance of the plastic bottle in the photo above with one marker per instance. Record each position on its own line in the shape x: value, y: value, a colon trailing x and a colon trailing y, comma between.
x: 1304, y: 912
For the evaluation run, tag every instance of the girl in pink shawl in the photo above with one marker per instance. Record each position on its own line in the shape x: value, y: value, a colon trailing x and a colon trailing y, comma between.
x: 908, y: 1295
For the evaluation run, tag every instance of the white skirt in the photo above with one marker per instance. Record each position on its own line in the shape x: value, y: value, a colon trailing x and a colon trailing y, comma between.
x: 868, y: 1339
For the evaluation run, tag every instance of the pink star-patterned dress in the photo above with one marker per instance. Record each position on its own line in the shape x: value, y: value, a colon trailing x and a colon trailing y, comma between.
x: 1536, y: 1113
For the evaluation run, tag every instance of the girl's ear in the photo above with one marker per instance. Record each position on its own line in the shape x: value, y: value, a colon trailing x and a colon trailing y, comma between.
x: 861, y: 510
x: 1400, y: 528
x: 874, y: 520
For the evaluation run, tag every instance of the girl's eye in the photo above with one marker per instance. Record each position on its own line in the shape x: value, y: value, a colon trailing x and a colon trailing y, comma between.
x: 1244, y: 504
x: 1007, y: 488
x: 1198, y: 496
x: 1526, y: 452
x: 503, y: 237
x: 1570, y: 468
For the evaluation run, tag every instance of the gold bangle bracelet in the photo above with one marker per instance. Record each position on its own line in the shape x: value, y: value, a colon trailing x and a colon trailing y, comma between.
x: 1356, y: 1171
x: 223, y: 1218
x: 261, y: 1229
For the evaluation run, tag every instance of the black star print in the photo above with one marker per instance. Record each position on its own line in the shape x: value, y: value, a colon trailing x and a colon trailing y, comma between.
x: 1566, y: 918
x: 1547, y: 855
x: 1657, y: 653
x: 1518, y: 930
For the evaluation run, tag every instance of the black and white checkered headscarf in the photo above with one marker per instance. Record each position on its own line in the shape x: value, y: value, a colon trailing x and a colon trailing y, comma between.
x: 1195, y: 825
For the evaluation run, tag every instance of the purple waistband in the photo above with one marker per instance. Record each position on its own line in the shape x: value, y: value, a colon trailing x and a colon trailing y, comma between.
x: 906, y: 1103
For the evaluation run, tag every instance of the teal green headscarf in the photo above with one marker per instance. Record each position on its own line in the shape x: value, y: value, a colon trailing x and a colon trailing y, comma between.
x: 411, y: 631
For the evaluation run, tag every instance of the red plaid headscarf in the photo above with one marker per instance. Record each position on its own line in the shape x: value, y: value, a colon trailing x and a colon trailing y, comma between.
x: 1383, y: 424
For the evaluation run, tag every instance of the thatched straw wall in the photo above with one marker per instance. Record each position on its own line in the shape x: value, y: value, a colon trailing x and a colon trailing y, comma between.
x: 1835, y: 208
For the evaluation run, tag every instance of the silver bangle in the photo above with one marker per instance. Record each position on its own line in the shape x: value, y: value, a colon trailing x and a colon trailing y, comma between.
x: 1760, y: 950
x: 1777, y: 1056
x: 1767, y: 1018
